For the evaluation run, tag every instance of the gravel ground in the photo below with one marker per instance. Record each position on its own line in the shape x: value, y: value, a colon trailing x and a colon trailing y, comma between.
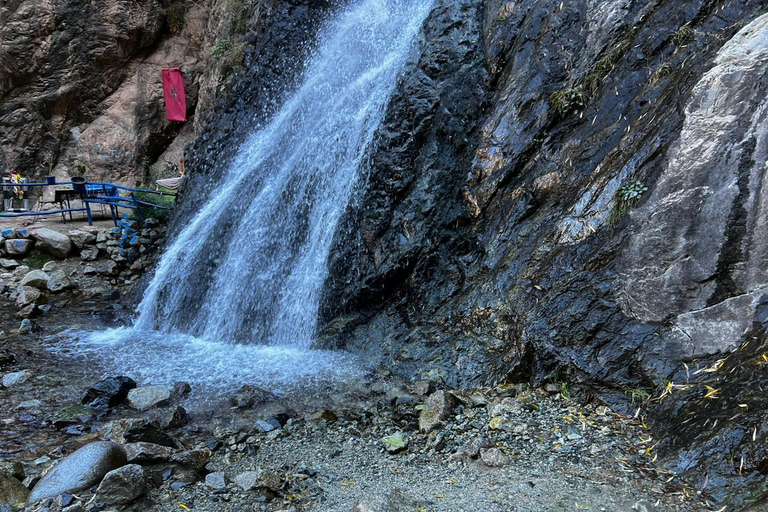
x: 509, y: 448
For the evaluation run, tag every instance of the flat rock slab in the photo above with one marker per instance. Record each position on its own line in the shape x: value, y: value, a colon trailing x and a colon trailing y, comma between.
x: 81, y: 469
x: 148, y: 397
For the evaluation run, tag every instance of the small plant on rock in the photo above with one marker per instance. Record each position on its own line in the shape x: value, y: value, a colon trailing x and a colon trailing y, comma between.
x: 626, y: 197
x: 175, y: 18
x: 684, y: 35
x: 220, y: 48
x: 568, y: 101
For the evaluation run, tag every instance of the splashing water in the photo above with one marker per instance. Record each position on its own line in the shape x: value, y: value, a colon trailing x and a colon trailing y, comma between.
x: 248, y: 268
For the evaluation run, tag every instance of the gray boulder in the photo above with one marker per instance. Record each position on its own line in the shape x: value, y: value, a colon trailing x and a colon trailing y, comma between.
x: 89, y: 253
x: 6, y: 263
x: 26, y: 295
x: 81, y: 469
x: 58, y: 281
x: 122, y: 485
x: 18, y: 246
x: 148, y: 397
x: 82, y: 238
x: 35, y: 278
x: 54, y: 243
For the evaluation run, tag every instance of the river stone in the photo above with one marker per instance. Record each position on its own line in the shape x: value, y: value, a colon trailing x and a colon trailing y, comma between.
x: 122, y: 485
x: 248, y: 480
x: 82, y: 238
x: 437, y: 407
x: 83, y: 468
x: 108, y: 393
x: 16, y: 378
x: 493, y: 457
x: 147, y: 432
x: 11, y: 490
x: 26, y: 326
x: 6, y: 263
x: 148, y: 397
x: 19, y: 246
x: 50, y: 241
x: 216, y: 480
x: 36, y: 279
x: 58, y: 281
x: 26, y: 295
x: 89, y: 253
x: 106, y: 267
x: 176, y: 417
x: 248, y: 396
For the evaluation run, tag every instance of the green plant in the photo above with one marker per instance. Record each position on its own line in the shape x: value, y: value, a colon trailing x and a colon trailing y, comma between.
x: 638, y: 395
x: 80, y: 170
x: 565, y: 391
x: 568, y: 101
x: 38, y: 260
x: 233, y: 58
x: 162, y: 215
x: 220, y: 48
x: 626, y: 197
x: 175, y: 18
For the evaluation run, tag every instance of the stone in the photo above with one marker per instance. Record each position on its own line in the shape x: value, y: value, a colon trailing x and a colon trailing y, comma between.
x: 175, y: 418
x: 50, y: 241
x: 36, y: 279
x: 12, y: 468
x: 89, y: 270
x: 9, y: 264
x: 89, y: 253
x: 248, y: 480
x: 149, y: 396
x: 26, y: 295
x: 12, y: 490
x: 80, y: 470
x: 82, y: 238
x: 73, y: 415
x: 106, y: 268
x: 395, y: 443
x: 437, y: 407
x: 181, y: 389
x: 122, y: 485
x: 108, y: 393
x: 216, y: 480
x: 58, y: 281
x: 248, y: 396
x: 16, y: 378
x: 26, y: 326
x: 266, y: 425
x: 148, y: 432
x: 493, y: 457
x: 19, y: 247
x: 146, y: 453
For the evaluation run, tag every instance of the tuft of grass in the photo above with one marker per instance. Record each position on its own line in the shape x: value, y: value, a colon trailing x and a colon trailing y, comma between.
x: 625, y: 198
x: 221, y: 48
x: 683, y: 36
x: 569, y: 100
x: 38, y: 260
x: 638, y: 395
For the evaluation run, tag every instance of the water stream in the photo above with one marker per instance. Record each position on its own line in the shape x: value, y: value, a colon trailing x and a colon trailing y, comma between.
x: 267, y: 227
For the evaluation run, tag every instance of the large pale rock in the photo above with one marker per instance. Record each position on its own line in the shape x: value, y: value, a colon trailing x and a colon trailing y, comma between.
x: 437, y: 407
x: 122, y: 485
x: 698, y: 256
x: 36, y: 279
x: 148, y: 397
x: 82, y: 238
x: 6, y: 263
x: 83, y: 468
x: 54, y: 243
x: 18, y: 246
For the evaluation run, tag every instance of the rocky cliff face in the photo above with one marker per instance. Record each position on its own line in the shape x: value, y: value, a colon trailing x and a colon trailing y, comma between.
x: 80, y: 82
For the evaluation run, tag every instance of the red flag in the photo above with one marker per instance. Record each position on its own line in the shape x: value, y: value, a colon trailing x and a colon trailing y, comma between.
x: 175, y: 102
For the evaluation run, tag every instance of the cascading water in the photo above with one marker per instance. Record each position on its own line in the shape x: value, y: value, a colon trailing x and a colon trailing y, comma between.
x: 268, y: 226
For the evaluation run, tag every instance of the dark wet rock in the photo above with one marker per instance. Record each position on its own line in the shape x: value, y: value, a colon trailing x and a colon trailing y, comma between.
x: 437, y: 407
x: 248, y: 396
x: 122, y: 485
x: 149, y: 396
x: 6, y: 358
x: 181, y: 389
x: 108, y: 393
x: 73, y: 415
x: 147, y: 432
x: 176, y: 417
x: 11, y: 490
x: 81, y: 469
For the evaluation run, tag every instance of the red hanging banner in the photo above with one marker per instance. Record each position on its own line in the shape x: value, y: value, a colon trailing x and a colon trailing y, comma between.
x: 175, y: 101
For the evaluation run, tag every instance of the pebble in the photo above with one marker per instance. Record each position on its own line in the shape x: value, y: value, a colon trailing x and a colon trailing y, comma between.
x: 216, y: 480
x: 16, y: 378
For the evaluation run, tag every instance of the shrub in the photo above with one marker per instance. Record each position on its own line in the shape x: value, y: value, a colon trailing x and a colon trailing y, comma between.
x: 625, y: 198
x: 220, y: 48
x: 160, y: 214
x: 568, y: 101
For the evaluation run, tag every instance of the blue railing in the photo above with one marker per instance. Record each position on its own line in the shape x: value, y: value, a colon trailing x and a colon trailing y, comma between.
x: 89, y: 193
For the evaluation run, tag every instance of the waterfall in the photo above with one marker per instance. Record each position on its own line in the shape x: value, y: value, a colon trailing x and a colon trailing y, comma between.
x: 268, y: 226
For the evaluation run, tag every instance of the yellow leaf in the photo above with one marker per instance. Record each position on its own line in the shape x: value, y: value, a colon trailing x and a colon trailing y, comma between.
x: 183, y: 506
x: 495, y: 422
x: 538, y: 287
x: 568, y: 418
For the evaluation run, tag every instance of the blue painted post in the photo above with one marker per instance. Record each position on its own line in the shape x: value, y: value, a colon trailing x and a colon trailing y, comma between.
x: 88, y: 211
